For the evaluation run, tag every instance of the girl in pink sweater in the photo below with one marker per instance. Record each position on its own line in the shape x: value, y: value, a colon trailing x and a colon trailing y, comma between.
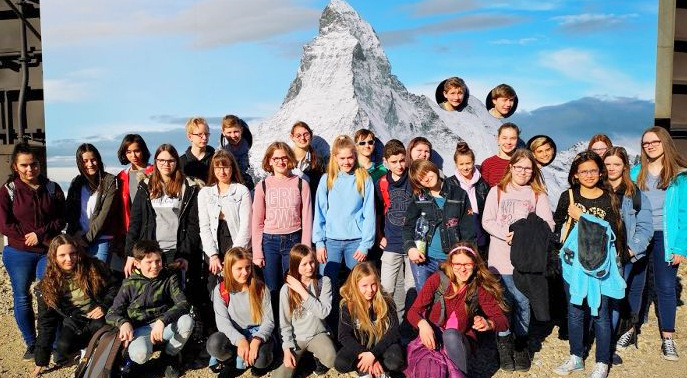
x: 282, y: 215
x: 519, y: 193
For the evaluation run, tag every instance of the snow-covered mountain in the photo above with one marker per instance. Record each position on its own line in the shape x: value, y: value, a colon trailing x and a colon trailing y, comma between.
x: 344, y: 83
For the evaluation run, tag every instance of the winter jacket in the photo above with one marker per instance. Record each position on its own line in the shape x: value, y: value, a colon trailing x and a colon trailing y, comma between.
x: 639, y: 228
x: 529, y: 254
x: 143, y: 222
x: 454, y: 221
x: 105, y: 218
x: 142, y: 300
x: 477, y: 189
x: 396, y: 197
x: 591, y: 285
x: 192, y: 167
x: 343, y: 214
x: 674, y: 215
x: 49, y: 318
x: 349, y: 333
x: 238, y: 218
x: 240, y: 152
x: 41, y: 211
x: 127, y: 202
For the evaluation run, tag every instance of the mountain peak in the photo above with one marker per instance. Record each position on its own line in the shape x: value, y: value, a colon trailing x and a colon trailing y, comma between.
x: 338, y: 13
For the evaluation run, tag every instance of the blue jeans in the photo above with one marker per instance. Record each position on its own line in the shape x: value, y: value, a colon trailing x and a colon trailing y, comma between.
x: 422, y: 271
x: 23, y: 268
x: 519, y: 314
x: 634, y: 275
x: 100, y: 249
x: 603, y: 332
x: 276, y: 249
x: 665, y: 276
x: 174, y: 335
x: 338, y: 250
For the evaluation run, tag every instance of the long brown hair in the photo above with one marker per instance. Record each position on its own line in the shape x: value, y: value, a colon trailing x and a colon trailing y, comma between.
x: 418, y: 169
x: 673, y: 161
x: 414, y: 142
x: 224, y: 158
x: 535, y: 182
x: 600, y: 138
x: 157, y: 187
x: 481, y: 277
x: 626, y: 181
x: 368, y: 332
x: 88, y: 277
x: 297, y: 253
x: 256, y: 288
x: 316, y: 164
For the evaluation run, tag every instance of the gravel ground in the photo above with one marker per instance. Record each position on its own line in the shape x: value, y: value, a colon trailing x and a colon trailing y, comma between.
x: 644, y: 362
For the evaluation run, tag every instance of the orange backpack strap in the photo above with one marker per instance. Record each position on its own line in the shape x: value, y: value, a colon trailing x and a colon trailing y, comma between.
x: 384, y: 189
x: 224, y: 293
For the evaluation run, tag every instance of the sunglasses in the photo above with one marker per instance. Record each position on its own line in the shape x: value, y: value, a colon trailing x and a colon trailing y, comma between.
x: 368, y: 142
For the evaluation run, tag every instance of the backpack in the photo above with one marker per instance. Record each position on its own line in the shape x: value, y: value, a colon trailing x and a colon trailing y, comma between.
x: 49, y: 186
x: 224, y: 293
x: 103, y: 356
x: 384, y: 189
x: 439, y: 295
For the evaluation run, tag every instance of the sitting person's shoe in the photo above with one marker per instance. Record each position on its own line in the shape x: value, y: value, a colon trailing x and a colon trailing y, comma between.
x: 320, y: 369
x: 215, y: 365
x: 573, y: 363
x: 172, y: 365
x: 600, y: 371
x: 669, y: 349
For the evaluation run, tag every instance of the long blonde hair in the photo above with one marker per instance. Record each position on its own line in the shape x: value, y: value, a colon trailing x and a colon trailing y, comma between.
x: 673, y: 161
x: 535, y: 181
x: 367, y: 331
x: 343, y: 142
x: 256, y: 288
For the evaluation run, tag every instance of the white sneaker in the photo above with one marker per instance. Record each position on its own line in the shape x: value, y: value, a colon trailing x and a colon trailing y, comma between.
x: 573, y: 363
x: 669, y: 350
x: 600, y: 371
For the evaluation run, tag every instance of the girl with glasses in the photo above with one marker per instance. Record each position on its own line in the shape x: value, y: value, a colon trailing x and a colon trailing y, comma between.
x: 519, y: 193
x: 661, y: 176
x: 310, y: 164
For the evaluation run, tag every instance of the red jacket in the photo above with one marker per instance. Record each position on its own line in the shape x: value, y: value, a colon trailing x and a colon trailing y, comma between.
x: 31, y: 211
x: 424, y: 300
x: 124, y: 195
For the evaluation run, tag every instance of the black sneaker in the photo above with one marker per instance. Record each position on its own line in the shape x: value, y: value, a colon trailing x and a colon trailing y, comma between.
x: 320, y: 369
x: 28, y: 355
x: 172, y: 366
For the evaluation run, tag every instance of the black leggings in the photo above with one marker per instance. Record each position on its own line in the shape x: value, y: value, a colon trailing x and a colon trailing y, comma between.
x: 392, y: 360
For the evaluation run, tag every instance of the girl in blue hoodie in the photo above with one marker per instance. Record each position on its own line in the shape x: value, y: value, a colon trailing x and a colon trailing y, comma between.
x: 662, y: 176
x: 344, y: 214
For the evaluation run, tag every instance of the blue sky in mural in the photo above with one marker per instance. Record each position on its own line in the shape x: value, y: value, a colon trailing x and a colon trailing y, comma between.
x: 117, y: 66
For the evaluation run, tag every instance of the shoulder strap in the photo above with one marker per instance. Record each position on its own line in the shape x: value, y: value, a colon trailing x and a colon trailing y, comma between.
x: 439, y: 295
x: 224, y: 293
x: 568, y: 222
x: 10, y: 190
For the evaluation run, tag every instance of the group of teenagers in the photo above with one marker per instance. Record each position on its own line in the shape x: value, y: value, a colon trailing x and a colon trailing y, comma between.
x: 322, y: 255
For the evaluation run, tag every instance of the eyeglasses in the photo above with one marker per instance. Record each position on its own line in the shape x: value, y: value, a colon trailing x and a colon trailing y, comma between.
x: 461, y: 265
x: 201, y: 135
x: 222, y: 168
x: 520, y: 169
x: 302, y: 136
x: 283, y: 159
x: 600, y: 150
x: 166, y: 162
x: 653, y: 143
x: 370, y: 142
x: 590, y: 172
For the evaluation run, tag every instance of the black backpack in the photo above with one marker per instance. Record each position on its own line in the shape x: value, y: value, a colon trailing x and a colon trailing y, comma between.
x: 103, y: 355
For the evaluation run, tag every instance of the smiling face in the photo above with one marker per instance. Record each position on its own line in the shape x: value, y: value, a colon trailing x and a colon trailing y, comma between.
x: 307, y: 266
x: 465, y: 166
x: 166, y: 164
x: 27, y: 167
x: 365, y: 146
x: 454, y: 96
x: 241, y: 271
x: 429, y: 180
x: 503, y: 105
x: 90, y: 163
x: 507, y: 140
x: 543, y: 153
x: 368, y: 287
x: 223, y: 174
x: 150, y: 265
x: 599, y: 148
x: 463, y: 267
x: 65, y: 257
x: 420, y: 151
x: 233, y: 134
x: 345, y: 159
x: 614, y: 167
x: 301, y: 137
x: 588, y: 174
x: 396, y: 164
x: 280, y: 162
x: 521, y: 171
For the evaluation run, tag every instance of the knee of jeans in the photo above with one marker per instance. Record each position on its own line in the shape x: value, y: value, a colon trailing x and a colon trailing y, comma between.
x: 139, y: 352
x: 265, y: 357
x: 185, y: 325
x: 218, y: 346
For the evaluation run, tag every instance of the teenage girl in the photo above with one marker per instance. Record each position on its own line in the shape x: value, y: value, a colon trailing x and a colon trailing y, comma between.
x: 304, y: 303
x: 282, y: 215
x: 91, y: 203
x: 592, y: 194
x: 243, y: 313
x: 663, y: 178
x: 368, y: 326
x: 519, y: 193
x: 419, y: 148
x: 309, y: 164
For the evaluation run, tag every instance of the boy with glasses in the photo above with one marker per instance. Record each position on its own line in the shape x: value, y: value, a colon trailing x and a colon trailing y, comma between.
x: 196, y: 161
x: 365, y: 146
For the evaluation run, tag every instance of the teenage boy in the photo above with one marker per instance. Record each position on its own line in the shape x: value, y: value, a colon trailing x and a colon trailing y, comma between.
x: 365, y: 145
x: 196, y: 161
x: 502, y: 101
x: 454, y: 92
x: 233, y: 140
x: 150, y: 308
x: 493, y: 168
x: 396, y: 194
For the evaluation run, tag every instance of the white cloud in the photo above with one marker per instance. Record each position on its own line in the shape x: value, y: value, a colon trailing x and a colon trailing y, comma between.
x: 75, y: 86
x: 519, y: 41
x: 202, y: 24
x: 585, y: 68
x: 587, y: 22
x: 436, y: 7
